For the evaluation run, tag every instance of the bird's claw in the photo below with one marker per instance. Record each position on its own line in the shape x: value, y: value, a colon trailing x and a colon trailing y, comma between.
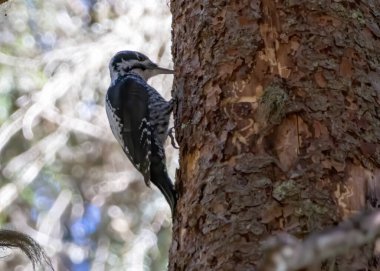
x: 172, y: 139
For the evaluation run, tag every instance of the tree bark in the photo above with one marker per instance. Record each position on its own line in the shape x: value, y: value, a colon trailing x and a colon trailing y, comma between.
x: 278, y: 124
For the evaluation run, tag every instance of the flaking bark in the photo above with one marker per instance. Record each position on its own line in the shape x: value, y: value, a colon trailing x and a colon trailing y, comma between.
x: 278, y: 122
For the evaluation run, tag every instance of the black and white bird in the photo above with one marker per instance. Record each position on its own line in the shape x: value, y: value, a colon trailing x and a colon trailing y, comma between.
x: 139, y: 118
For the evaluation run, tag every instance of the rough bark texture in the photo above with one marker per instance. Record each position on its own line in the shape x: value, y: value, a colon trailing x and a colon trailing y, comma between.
x: 278, y: 122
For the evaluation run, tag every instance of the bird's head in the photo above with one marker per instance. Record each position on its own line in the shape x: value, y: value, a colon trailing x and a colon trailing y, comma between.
x: 129, y: 61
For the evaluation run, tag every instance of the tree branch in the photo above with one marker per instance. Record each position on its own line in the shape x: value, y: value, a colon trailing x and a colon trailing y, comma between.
x: 30, y: 247
x: 285, y: 252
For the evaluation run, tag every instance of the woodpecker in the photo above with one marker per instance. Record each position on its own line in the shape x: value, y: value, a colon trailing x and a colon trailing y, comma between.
x: 139, y: 118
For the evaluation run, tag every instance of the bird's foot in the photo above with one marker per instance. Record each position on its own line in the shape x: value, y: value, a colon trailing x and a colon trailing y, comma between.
x: 172, y: 139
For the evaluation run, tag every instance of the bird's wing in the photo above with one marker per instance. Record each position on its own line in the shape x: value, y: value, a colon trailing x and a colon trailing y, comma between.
x: 130, y: 102
x: 135, y: 129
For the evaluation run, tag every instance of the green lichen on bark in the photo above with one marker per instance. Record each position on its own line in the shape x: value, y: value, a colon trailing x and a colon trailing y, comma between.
x: 272, y: 104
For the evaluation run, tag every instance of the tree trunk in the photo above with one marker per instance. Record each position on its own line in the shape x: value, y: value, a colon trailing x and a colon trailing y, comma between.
x: 278, y: 122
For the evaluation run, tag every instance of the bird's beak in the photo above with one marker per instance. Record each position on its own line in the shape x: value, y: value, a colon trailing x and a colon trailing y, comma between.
x: 154, y: 69
x: 160, y: 70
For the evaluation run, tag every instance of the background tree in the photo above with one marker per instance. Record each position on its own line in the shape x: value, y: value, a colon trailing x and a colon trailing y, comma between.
x: 278, y: 122
x: 63, y: 179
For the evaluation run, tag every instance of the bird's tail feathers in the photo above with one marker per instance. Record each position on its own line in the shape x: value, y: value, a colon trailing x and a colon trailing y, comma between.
x: 165, y: 185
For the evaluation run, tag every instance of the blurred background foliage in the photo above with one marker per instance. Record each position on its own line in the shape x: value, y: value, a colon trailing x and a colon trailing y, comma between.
x: 63, y: 178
